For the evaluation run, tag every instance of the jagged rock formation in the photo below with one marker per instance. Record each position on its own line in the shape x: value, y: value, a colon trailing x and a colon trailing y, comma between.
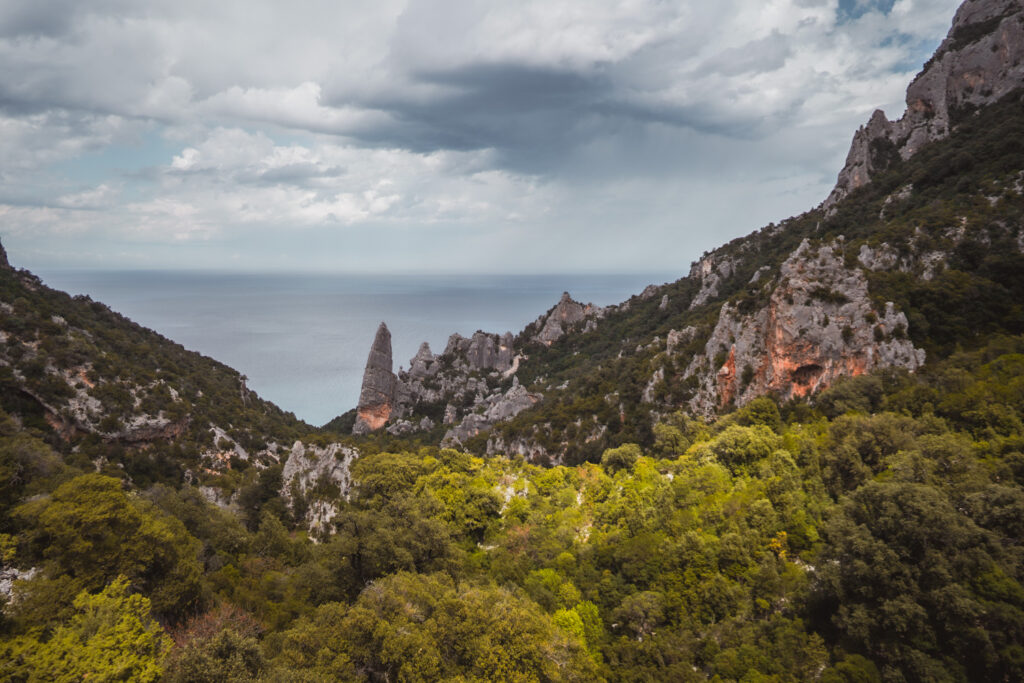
x: 469, y: 379
x: 980, y: 61
x: 555, y: 323
x: 377, y: 396
x: 307, y: 469
x: 4, y: 263
x: 482, y: 351
x: 817, y: 325
x: 711, y: 271
x: 491, y: 410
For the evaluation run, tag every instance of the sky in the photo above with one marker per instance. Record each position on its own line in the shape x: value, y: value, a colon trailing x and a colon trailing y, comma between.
x: 527, y: 136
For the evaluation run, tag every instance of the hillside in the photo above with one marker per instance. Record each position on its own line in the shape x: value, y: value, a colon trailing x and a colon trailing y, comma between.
x: 804, y: 461
x: 923, y: 259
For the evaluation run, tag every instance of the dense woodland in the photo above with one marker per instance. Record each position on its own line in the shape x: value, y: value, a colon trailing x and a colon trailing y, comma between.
x: 875, y: 535
x: 871, y: 533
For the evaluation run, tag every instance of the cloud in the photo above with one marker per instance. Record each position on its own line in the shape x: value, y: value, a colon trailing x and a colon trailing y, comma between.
x: 532, y: 124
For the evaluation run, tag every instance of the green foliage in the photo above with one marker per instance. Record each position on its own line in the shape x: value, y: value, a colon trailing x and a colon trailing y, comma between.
x: 622, y: 458
x: 90, y: 531
x: 424, y: 627
x: 915, y: 584
x: 110, y: 637
x: 221, y: 645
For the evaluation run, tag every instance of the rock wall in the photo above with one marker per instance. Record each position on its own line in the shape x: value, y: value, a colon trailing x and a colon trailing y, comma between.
x: 554, y: 324
x: 818, y: 324
x: 308, y: 466
x: 980, y: 61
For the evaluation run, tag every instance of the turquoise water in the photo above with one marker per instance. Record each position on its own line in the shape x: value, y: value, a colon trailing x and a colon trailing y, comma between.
x: 303, y: 339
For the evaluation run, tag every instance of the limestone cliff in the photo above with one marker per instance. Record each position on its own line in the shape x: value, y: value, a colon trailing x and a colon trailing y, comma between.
x: 567, y: 313
x: 309, y: 474
x: 817, y: 324
x: 377, y: 396
x: 980, y: 61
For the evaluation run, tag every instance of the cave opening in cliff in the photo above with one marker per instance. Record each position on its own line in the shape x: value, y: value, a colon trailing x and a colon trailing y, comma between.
x: 805, y: 374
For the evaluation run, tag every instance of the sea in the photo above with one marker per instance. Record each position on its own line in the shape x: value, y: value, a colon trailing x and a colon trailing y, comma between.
x: 303, y: 339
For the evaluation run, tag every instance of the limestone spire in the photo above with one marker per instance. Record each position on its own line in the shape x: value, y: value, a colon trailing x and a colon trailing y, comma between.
x: 377, y: 396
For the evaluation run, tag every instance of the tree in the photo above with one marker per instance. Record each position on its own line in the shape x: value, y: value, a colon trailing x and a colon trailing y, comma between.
x: 111, y: 637
x: 425, y: 627
x: 622, y: 458
x: 92, y: 532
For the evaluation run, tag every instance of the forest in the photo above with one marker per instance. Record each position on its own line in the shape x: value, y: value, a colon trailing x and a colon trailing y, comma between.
x: 874, y: 535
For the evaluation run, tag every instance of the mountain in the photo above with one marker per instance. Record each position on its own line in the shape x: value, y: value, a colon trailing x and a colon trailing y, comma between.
x: 802, y: 461
x: 917, y: 250
x: 978, y: 63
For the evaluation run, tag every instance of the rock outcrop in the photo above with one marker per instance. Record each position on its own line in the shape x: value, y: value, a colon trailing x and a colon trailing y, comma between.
x: 818, y: 324
x: 491, y: 410
x: 555, y: 323
x: 711, y: 271
x: 4, y: 263
x: 307, y: 469
x: 377, y: 396
x: 482, y: 351
x: 980, y: 61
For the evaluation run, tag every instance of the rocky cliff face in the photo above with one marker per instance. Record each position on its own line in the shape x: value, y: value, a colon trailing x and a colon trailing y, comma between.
x: 3, y: 258
x: 817, y: 324
x: 308, y: 468
x: 980, y: 61
x: 566, y: 314
x: 377, y: 396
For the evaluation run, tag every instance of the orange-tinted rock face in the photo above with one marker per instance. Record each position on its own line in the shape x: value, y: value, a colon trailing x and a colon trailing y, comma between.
x: 818, y: 325
x: 375, y: 417
x: 727, y: 379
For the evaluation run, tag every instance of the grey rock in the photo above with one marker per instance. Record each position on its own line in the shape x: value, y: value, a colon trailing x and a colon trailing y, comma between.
x: 966, y: 70
x: 511, y: 403
x: 674, y: 339
x: 215, y: 496
x: 400, y: 428
x: 482, y: 351
x: 8, y: 576
x: 711, y: 270
x: 307, y: 466
x: 883, y: 257
x: 377, y: 396
x: 649, y: 292
x: 424, y: 363
x: 759, y: 273
x: 470, y: 426
x: 566, y: 313
x: 664, y: 302
x: 814, y: 329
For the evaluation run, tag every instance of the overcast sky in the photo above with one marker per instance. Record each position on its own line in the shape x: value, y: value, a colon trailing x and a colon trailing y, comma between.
x: 447, y: 135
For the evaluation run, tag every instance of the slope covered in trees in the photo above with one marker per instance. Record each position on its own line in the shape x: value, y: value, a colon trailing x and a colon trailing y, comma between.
x: 160, y: 521
x: 875, y: 535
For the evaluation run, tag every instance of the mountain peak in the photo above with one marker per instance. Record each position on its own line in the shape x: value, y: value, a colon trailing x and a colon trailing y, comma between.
x: 377, y: 396
x: 980, y: 61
